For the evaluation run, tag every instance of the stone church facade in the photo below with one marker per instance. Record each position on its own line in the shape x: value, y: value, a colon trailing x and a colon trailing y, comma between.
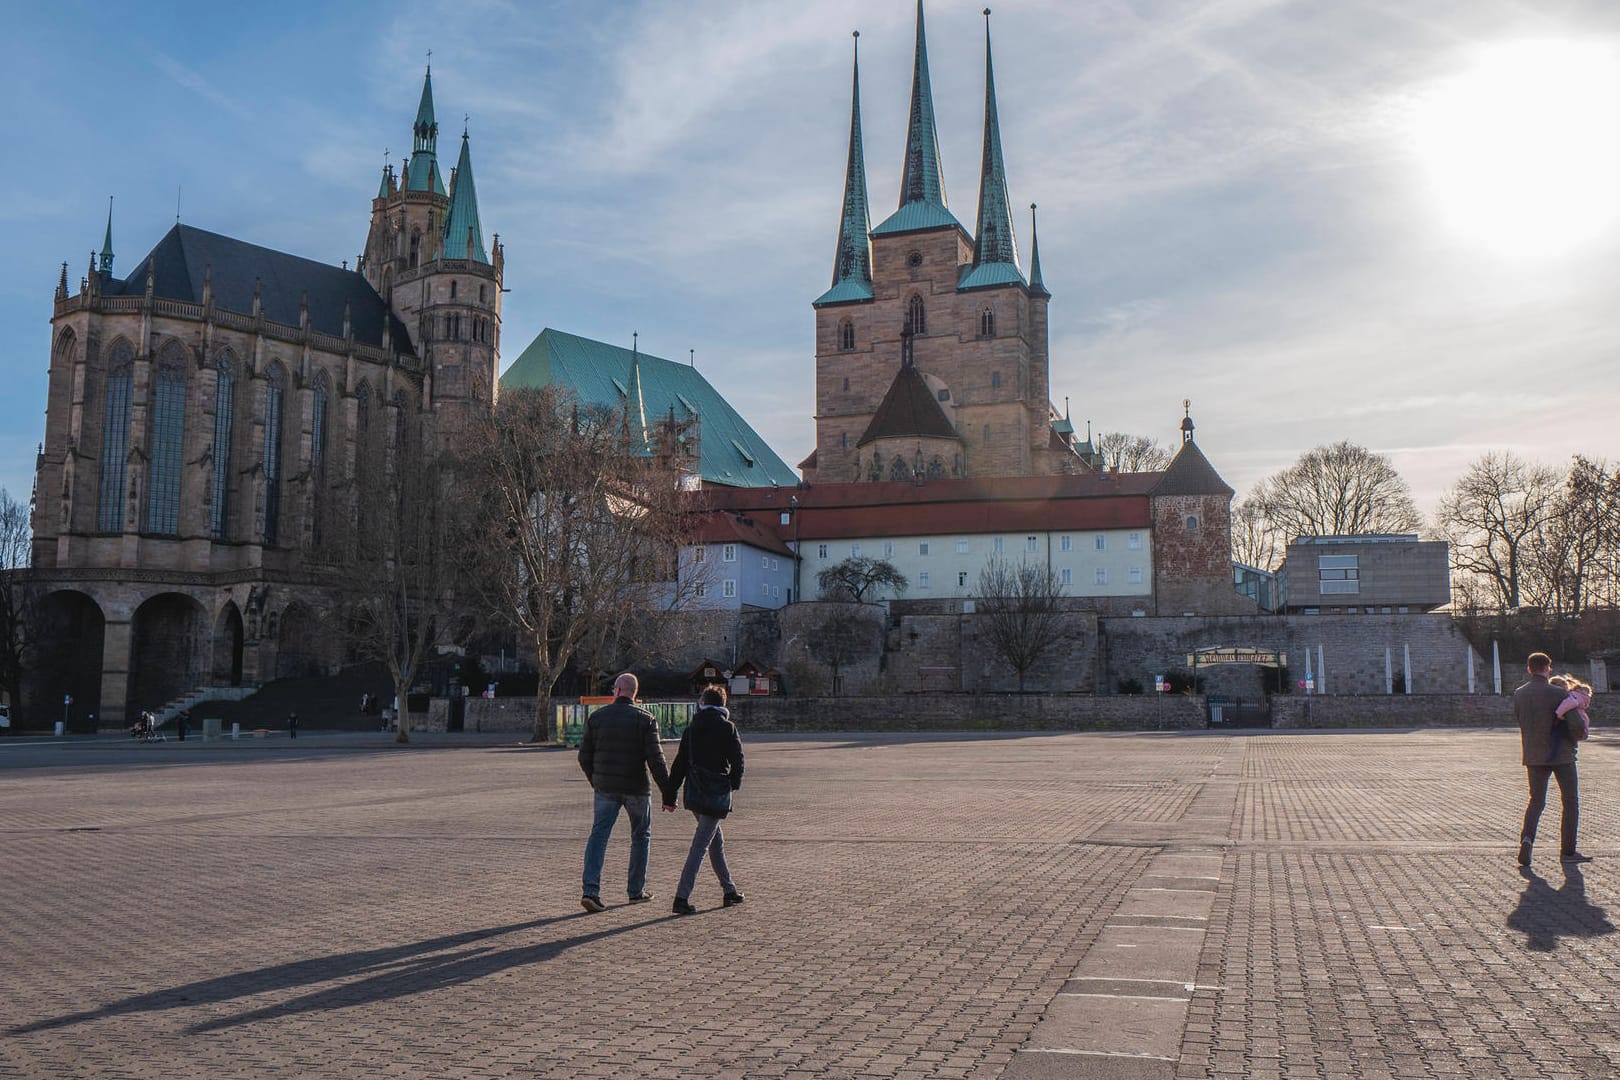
x: 212, y: 417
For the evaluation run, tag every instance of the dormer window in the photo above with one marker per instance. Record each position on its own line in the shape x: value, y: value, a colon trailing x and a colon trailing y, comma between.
x: 987, y: 323
x: 919, y: 321
x: 846, y: 335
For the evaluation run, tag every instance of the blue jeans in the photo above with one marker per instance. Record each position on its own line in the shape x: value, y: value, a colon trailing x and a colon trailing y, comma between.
x: 639, y: 807
x: 707, y: 838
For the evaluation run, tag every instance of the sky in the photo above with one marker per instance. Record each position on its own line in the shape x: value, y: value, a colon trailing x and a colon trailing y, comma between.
x: 1390, y: 221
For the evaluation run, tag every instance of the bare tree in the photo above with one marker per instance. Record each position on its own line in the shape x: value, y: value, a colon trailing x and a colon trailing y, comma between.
x: 1492, y: 517
x: 1131, y: 453
x: 1338, y: 490
x: 19, y: 597
x: 859, y: 575
x: 1254, y: 540
x: 1017, y: 608
x: 582, y: 522
x: 840, y: 636
x: 398, y: 573
x: 1572, y: 550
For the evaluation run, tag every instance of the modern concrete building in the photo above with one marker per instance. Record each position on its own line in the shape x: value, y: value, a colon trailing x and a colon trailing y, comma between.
x: 1353, y: 575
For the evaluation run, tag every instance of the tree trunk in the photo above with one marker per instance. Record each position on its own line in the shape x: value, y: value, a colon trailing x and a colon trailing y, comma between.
x: 402, y: 713
x: 543, y: 712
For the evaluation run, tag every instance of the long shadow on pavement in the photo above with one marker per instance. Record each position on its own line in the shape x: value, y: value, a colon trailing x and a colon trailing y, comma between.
x: 1546, y: 914
x: 394, y: 972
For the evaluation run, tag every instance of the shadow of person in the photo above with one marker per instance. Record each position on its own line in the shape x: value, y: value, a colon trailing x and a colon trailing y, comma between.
x: 1546, y: 914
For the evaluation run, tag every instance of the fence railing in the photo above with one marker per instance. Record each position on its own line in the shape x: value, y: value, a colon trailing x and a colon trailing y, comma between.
x: 672, y: 716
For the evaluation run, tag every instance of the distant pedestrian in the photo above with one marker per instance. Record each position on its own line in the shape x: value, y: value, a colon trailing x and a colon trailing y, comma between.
x: 619, y: 746
x: 1546, y: 757
x: 709, y: 764
x: 292, y: 725
x: 182, y: 721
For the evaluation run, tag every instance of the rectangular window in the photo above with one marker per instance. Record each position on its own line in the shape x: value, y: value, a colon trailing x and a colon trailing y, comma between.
x: 773, y: 564
x: 765, y: 590
x: 1065, y: 543
x: 922, y: 547
x: 764, y: 562
x: 961, y: 547
x: 728, y: 553
x: 888, y: 549
x: 1338, y: 574
x: 999, y: 545
x: 776, y: 592
x: 700, y: 553
x: 821, y: 551
x: 1102, y: 542
x: 1134, y: 575
x: 728, y: 587
x: 922, y: 579
x: 1032, y: 543
x: 854, y: 551
x: 1135, y: 543
x: 961, y: 579
x: 1066, y: 576
x: 702, y: 589
x: 1102, y: 575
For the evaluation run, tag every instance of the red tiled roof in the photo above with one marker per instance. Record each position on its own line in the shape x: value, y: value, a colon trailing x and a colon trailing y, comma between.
x: 730, y: 528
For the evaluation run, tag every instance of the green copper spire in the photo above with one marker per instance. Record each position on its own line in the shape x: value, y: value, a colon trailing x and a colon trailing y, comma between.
x: 1036, y: 285
x: 106, y: 245
x: 635, y: 407
x: 922, y: 186
x: 422, y: 173
x: 852, y: 265
x: 994, y: 241
x: 463, y: 239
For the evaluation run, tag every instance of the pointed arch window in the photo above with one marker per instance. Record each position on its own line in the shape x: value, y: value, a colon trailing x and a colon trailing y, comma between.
x: 168, y: 442
x: 452, y: 290
x: 224, y: 407
x: 400, y: 428
x: 115, y: 440
x: 317, y: 456
x: 846, y: 335
x: 416, y: 246
x: 918, y: 315
x: 273, y: 392
x: 987, y: 323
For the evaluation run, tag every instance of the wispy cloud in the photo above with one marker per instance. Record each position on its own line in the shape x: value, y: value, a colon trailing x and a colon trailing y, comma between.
x: 194, y: 81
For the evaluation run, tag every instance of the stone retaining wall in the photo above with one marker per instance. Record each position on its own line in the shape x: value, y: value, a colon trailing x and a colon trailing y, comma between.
x: 970, y: 712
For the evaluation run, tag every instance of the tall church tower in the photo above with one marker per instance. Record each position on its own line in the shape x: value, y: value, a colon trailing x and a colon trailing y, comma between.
x: 425, y: 256
x: 931, y: 346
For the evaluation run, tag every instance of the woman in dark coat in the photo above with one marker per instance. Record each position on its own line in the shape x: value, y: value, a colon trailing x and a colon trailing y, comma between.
x: 711, y: 756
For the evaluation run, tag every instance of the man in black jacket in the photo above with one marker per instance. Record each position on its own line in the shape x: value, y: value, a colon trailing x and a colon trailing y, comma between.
x: 619, y: 745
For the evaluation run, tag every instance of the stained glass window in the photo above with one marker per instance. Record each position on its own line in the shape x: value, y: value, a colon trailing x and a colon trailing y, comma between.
x: 115, y: 440
x: 224, y: 407
x: 168, y: 438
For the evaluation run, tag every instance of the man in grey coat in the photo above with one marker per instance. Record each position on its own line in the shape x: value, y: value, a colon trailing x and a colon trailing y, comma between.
x: 1549, y: 753
x: 619, y: 746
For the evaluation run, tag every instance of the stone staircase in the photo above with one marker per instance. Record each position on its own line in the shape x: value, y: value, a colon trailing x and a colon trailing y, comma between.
x: 167, y: 712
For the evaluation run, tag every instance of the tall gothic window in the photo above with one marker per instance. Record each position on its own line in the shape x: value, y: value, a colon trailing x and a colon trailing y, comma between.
x: 224, y: 410
x: 115, y: 440
x: 168, y: 443
x: 919, y: 317
x: 416, y: 247
x: 272, y: 452
x: 317, y: 457
x: 846, y: 335
x: 987, y: 323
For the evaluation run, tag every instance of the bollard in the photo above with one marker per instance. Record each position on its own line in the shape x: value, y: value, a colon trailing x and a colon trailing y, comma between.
x: 61, y: 728
x: 236, y: 729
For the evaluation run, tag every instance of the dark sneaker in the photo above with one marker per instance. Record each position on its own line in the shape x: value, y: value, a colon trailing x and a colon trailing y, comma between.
x: 1574, y: 857
x: 734, y: 898
x: 683, y: 906
x: 643, y: 898
x: 1524, y: 853
x: 592, y: 903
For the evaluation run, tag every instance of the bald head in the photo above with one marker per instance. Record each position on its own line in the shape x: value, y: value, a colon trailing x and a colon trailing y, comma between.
x: 625, y: 686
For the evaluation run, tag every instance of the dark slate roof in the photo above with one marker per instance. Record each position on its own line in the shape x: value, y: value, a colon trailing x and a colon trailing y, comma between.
x: 908, y: 410
x: 730, y: 452
x: 185, y: 254
x: 1190, y: 473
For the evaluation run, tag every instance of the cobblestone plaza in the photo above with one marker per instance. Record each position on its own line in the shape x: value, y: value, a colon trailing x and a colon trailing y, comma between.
x: 1061, y: 905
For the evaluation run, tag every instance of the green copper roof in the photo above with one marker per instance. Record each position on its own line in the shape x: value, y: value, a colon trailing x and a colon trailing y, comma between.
x: 731, y: 453
x: 923, y: 182
x: 635, y: 401
x: 422, y: 173
x: 106, y: 245
x: 996, y: 273
x: 1036, y: 285
x: 462, y: 220
x: 993, y: 242
x: 852, y: 265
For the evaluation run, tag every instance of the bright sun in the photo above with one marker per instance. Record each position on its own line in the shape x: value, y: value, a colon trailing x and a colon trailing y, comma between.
x: 1523, y: 148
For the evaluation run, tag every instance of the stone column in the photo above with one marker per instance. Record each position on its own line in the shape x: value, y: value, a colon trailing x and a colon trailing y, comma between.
x: 116, y: 642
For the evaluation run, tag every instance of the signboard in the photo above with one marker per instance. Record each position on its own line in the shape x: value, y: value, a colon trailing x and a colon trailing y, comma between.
x: 1237, y: 655
x: 1158, y: 683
